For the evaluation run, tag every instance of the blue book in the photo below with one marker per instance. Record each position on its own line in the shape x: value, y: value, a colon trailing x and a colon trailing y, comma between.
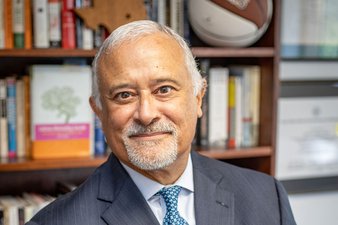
x: 99, y: 139
x: 11, y: 116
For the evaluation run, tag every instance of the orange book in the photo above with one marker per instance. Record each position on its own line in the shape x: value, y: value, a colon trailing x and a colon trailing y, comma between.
x: 28, y: 24
x: 27, y: 110
x: 8, y: 24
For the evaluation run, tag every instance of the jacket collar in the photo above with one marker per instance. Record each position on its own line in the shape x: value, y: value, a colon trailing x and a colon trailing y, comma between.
x: 126, y: 205
x: 213, y: 203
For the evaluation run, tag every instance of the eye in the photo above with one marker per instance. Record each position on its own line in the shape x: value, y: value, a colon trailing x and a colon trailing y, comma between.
x: 165, y: 89
x: 123, y: 96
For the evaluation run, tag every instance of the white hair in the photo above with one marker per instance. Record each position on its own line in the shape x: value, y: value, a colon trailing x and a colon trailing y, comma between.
x: 129, y: 32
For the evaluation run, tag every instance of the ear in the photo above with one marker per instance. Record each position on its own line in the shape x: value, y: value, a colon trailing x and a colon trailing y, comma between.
x: 95, y: 108
x: 200, y: 96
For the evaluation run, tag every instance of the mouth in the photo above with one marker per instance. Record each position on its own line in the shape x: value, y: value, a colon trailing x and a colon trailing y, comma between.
x: 150, y: 135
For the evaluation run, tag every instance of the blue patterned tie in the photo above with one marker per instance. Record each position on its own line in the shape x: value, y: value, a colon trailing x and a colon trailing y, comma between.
x: 170, y: 196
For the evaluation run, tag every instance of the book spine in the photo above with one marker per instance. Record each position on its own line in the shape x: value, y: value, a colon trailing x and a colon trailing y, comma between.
x: 218, y: 106
x: 100, y: 144
x: 231, y: 143
x: 54, y: 7
x: 79, y: 26
x: 28, y: 24
x: 11, y: 116
x: 27, y: 114
x: 204, y: 66
x: 2, y: 25
x: 8, y: 25
x: 87, y: 33
x: 68, y: 25
x: 20, y: 118
x: 162, y: 12
x: 255, y: 79
x: 154, y: 10
x: 40, y: 20
x: 18, y: 23
x: 3, y: 120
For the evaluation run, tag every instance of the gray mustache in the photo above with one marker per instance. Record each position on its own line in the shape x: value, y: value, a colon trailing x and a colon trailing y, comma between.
x: 138, y: 129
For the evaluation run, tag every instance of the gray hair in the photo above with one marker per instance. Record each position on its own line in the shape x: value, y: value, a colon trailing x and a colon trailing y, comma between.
x: 137, y: 29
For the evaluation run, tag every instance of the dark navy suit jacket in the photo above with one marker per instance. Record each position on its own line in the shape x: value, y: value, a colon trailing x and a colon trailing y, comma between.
x: 224, y: 195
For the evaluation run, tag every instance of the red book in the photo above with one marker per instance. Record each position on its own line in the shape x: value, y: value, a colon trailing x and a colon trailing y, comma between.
x: 68, y: 25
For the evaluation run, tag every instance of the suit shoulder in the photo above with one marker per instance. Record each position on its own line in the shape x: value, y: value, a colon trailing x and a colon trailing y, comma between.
x: 236, y: 173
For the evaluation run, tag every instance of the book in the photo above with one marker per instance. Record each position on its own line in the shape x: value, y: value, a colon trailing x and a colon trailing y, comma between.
x: 54, y: 13
x: 40, y: 22
x: 28, y: 24
x: 87, y: 33
x: 68, y: 25
x: 18, y: 24
x: 2, y: 25
x: 61, y: 119
x: 99, y: 138
x: 78, y: 26
x: 8, y: 23
x: 250, y: 95
x: 3, y: 120
x: 11, y: 116
x: 27, y: 113
x: 20, y: 119
x: 177, y: 16
x: 203, y: 126
x: 218, y: 106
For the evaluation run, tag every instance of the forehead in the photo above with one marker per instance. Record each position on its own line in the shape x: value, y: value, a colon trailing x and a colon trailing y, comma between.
x: 156, y: 52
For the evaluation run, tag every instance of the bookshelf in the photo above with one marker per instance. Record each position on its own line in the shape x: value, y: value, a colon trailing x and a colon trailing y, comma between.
x: 24, y: 175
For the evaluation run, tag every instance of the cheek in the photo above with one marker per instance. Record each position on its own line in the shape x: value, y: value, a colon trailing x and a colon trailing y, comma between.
x: 116, y: 118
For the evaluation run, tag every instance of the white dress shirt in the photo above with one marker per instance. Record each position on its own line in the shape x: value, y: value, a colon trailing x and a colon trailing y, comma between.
x: 149, y: 188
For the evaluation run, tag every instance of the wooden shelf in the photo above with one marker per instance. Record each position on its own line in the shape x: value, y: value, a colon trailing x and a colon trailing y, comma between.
x: 210, y: 52
x: 197, y: 51
x: 48, y: 52
x: 7, y: 165
x: 218, y: 153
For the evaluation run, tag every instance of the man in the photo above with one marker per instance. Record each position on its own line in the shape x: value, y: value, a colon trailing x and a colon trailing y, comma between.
x: 148, y: 93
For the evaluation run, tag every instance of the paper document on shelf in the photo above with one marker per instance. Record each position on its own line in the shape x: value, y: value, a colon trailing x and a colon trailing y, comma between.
x: 307, y: 138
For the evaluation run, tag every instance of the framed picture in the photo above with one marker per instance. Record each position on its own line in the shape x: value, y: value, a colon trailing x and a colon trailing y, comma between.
x: 309, y: 29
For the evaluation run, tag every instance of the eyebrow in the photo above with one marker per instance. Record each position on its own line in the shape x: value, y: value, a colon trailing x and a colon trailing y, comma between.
x: 164, y: 80
x: 154, y: 82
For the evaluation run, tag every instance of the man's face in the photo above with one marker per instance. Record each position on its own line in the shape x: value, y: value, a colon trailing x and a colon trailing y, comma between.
x: 149, y: 111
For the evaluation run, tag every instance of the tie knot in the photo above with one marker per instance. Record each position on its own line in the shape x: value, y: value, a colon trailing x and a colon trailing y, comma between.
x: 170, y: 193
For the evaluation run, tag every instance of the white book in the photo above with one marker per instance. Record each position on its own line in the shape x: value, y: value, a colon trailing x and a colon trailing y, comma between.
x: 18, y: 17
x: 162, y: 12
x: 40, y: 24
x: 3, y: 120
x: 177, y: 16
x: 54, y: 14
x: 218, y: 106
x: 61, y: 118
x: 2, y: 25
x: 87, y: 33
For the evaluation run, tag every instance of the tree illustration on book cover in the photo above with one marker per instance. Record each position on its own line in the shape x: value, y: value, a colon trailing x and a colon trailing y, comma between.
x: 61, y: 100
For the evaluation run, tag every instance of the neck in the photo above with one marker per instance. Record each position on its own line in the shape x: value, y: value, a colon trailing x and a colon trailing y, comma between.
x: 168, y: 175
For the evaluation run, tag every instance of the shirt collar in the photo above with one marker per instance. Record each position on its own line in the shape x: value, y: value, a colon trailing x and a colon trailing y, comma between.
x: 150, y: 187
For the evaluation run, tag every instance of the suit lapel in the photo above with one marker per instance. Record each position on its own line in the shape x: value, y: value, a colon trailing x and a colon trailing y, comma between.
x: 213, y: 204
x: 125, y: 203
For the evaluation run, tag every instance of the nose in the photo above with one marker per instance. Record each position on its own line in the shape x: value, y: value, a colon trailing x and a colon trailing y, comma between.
x: 147, y: 111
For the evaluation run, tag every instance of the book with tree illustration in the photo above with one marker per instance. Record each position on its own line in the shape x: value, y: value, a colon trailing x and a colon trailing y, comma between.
x: 61, y: 118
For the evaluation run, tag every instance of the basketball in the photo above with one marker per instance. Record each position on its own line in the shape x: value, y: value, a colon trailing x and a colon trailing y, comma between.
x: 233, y: 23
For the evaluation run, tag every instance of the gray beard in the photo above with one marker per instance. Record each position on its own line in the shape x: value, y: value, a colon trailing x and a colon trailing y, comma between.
x: 153, y: 154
